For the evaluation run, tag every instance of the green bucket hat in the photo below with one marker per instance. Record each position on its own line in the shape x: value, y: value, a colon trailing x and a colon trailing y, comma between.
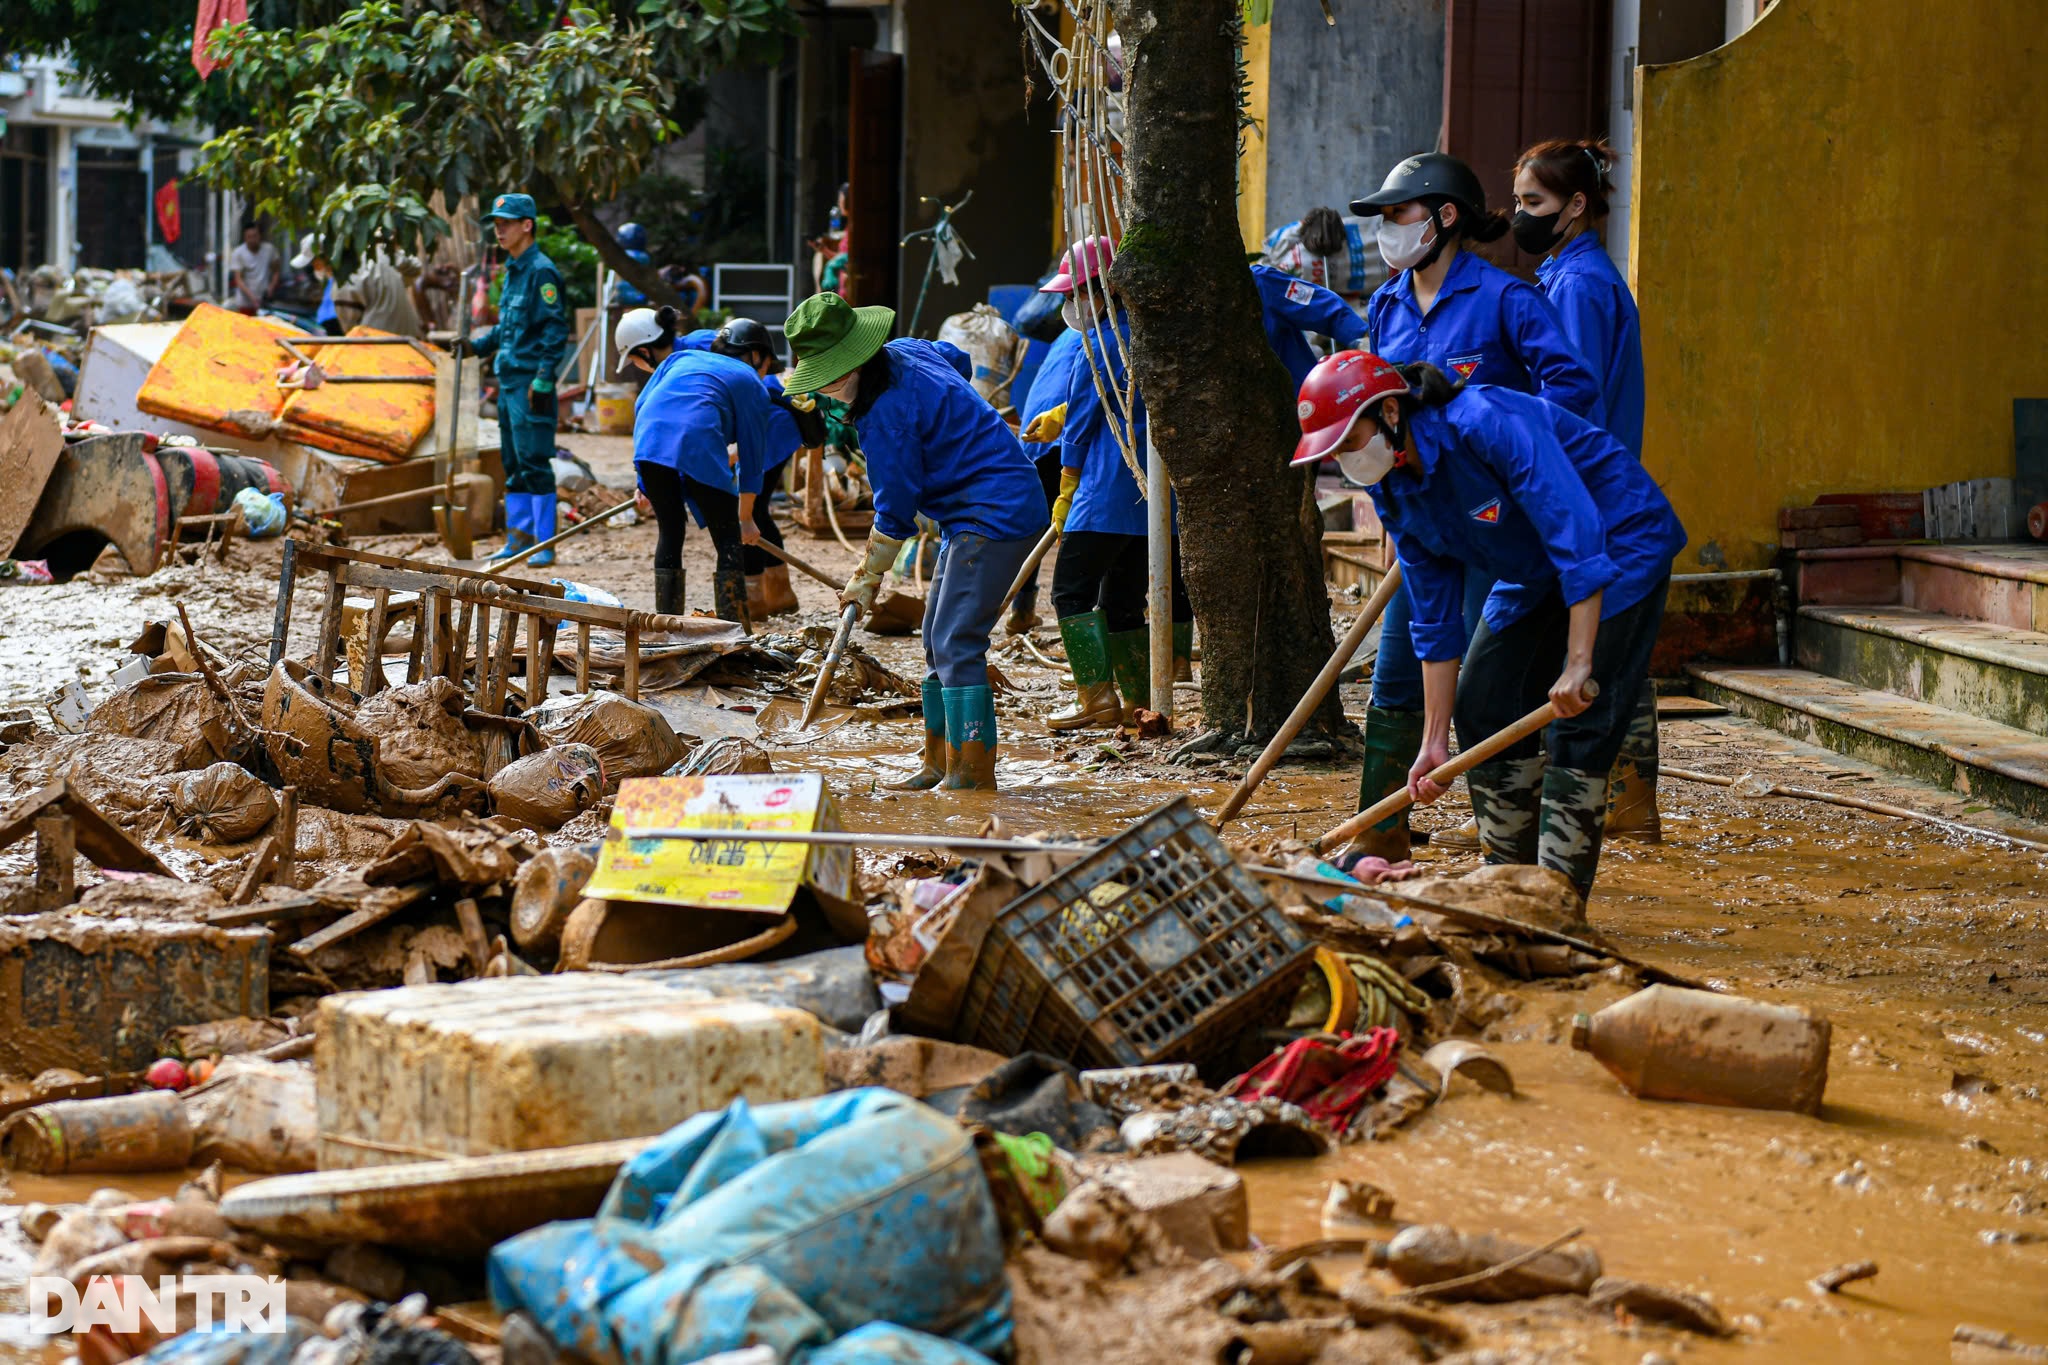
x: 832, y: 339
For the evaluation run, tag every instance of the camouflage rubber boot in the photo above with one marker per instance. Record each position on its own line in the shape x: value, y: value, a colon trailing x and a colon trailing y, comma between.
x: 934, y: 770
x: 1183, y: 651
x: 1507, y: 799
x: 970, y: 739
x: 1632, y: 781
x: 1086, y: 637
x: 1392, y: 740
x: 1130, y: 657
x: 1573, y: 820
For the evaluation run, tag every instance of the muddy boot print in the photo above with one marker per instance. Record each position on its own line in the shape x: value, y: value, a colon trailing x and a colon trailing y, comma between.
x: 1574, y: 819
x: 1507, y: 794
x: 1632, y: 781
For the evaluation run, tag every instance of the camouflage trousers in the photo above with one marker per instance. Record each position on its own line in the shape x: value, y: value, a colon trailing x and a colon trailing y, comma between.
x: 1529, y: 812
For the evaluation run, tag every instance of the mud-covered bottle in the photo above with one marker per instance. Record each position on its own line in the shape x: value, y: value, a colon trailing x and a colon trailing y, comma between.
x: 1667, y: 1043
x: 1430, y: 1253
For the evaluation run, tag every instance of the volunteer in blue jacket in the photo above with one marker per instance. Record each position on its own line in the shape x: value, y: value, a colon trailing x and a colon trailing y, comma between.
x: 526, y: 351
x: 1099, y: 580
x: 934, y: 447
x: 1289, y: 307
x: 1479, y: 324
x: 1561, y: 197
x: 1040, y: 417
x: 747, y: 341
x: 1579, y: 540
x: 700, y: 433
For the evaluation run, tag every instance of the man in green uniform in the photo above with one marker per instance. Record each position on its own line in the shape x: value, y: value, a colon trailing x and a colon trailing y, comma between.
x: 533, y: 327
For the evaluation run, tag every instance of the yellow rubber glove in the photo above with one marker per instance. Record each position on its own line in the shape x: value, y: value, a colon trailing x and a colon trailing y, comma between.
x: 867, y: 579
x: 1070, y: 480
x: 1045, y: 427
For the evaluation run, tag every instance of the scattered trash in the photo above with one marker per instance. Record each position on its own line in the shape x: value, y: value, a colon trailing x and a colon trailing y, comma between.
x: 1443, y: 1263
x: 1830, y: 1281
x: 1227, y: 1130
x: 223, y: 804
x: 549, y: 789
x: 632, y: 739
x: 1671, y: 1044
x: 256, y: 1115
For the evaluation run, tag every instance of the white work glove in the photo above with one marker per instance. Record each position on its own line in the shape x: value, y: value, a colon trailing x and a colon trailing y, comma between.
x: 867, y: 579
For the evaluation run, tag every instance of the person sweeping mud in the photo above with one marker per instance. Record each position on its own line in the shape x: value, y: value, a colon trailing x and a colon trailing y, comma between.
x: 934, y: 447
x: 1477, y: 323
x: 1560, y: 196
x: 1578, y: 540
x: 768, y: 590
x: 700, y: 436
x: 1099, y: 581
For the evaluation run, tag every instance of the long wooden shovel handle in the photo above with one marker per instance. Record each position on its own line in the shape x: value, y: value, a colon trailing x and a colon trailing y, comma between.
x: 1361, y: 626
x: 786, y: 557
x: 1031, y: 563
x: 578, y: 529
x: 1446, y: 773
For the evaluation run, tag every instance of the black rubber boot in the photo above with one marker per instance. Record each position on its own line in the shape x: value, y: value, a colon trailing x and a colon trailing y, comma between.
x: 668, y: 592
x: 729, y: 597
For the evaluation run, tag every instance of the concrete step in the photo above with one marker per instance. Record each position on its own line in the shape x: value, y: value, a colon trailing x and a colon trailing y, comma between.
x: 2004, y: 585
x: 1996, y: 763
x: 1990, y: 671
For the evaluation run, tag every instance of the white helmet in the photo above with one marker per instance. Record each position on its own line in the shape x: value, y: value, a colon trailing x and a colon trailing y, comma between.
x: 637, y: 328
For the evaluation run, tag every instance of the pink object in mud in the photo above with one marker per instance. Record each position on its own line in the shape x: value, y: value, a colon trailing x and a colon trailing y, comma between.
x: 1094, y: 256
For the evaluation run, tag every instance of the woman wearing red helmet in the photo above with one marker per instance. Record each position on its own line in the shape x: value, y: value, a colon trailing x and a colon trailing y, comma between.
x: 1579, y: 541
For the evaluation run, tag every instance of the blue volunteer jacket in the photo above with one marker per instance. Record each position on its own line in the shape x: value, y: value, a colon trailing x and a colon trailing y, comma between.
x: 1049, y: 385
x: 1108, y: 498
x: 699, y: 340
x: 533, y: 319
x: 783, y: 440
x: 1486, y: 326
x: 693, y: 408
x: 1289, y: 307
x: 934, y: 446
x: 1599, y: 315
x: 1536, y: 498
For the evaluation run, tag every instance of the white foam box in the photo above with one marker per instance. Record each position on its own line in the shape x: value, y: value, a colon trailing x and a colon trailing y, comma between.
x: 513, y: 1064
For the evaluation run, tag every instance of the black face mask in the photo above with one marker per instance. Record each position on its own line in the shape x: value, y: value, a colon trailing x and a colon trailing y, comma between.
x: 1536, y: 234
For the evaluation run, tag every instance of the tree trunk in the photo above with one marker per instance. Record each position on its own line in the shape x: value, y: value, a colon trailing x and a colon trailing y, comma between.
x: 640, y: 275
x: 1221, y: 405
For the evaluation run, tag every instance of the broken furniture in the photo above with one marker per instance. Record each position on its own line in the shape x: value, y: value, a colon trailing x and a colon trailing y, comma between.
x: 65, y: 825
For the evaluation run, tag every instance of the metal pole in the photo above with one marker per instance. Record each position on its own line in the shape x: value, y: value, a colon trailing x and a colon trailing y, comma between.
x: 1159, y: 571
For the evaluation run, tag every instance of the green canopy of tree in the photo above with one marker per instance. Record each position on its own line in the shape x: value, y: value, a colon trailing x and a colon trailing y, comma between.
x: 358, y: 122
x: 135, y: 51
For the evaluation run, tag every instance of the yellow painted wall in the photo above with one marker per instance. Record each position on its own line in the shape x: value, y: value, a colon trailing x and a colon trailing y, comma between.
x: 1836, y: 249
x: 1251, y: 166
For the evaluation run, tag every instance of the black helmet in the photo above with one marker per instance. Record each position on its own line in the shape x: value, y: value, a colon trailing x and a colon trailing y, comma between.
x: 744, y: 335
x: 1431, y: 175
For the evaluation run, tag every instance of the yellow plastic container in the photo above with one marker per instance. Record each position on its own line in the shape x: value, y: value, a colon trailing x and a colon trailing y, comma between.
x: 615, y: 409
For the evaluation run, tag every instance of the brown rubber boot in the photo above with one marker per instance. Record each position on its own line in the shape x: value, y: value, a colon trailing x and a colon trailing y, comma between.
x: 757, y: 600
x: 1086, y: 637
x: 778, y: 598
x: 1632, y: 781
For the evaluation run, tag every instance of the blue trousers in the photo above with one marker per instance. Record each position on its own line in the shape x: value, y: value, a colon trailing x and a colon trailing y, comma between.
x: 526, y: 443
x: 967, y: 591
x: 1396, y: 672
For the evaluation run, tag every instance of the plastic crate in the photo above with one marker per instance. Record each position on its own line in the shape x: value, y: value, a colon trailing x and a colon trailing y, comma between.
x: 1157, y: 947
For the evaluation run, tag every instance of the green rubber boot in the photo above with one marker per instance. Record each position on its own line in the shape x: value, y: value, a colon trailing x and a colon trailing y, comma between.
x: 1572, y: 824
x: 1507, y: 796
x: 1632, y: 781
x: 970, y: 739
x: 934, y: 770
x: 1183, y: 651
x: 1392, y: 740
x: 1086, y: 637
x: 1130, y: 658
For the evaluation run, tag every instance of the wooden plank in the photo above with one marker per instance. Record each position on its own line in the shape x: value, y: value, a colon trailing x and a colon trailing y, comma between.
x: 56, y: 858
x: 30, y: 443
x: 329, y: 644
x: 288, y: 836
x: 99, y: 839
x: 540, y: 586
x: 373, y: 643
x: 632, y: 661
x: 281, y: 618
x: 583, y: 656
x: 357, y: 921
x: 458, y: 644
x: 266, y: 912
x: 253, y: 875
x: 536, y: 680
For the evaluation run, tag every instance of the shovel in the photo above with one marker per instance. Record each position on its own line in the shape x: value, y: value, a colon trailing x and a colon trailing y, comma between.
x: 898, y: 613
x: 1446, y: 773
x: 500, y: 565
x: 830, y: 666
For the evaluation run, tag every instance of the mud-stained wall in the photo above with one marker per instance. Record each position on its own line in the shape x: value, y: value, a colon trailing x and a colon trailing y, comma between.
x: 1835, y: 250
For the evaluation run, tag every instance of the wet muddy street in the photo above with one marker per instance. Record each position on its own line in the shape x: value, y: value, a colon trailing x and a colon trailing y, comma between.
x: 1928, y: 951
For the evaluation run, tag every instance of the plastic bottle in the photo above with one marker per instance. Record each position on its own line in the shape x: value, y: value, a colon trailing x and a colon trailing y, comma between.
x: 1361, y: 909
x: 1667, y: 1043
x: 1430, y: 1253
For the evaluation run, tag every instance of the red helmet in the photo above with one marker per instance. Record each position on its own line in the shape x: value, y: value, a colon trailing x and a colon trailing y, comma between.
x: 1333, y: 396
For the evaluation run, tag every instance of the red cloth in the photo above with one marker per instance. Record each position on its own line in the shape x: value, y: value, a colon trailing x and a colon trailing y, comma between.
x: 167, y: 211
x: 213, y: 14
x: 1331, y: 1083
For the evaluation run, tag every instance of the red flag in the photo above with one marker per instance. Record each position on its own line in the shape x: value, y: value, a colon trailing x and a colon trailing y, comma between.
x: 167, y: 211
x: 213, y: 14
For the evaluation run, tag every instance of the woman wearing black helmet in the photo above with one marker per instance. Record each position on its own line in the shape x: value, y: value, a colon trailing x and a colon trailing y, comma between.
x: 1479, y: 325
x: 768, y: 589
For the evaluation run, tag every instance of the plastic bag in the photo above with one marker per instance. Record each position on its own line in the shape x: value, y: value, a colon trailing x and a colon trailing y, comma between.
x: 991, y: 344
x: 223, y: 804
x: 549, y: 789
x: 632, y: 739
x: 174, y: 707
x: 264, y: 513
x: 256, y: 1115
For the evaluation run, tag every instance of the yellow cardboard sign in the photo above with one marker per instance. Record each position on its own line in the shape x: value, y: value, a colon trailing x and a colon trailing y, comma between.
x: 721, y: 874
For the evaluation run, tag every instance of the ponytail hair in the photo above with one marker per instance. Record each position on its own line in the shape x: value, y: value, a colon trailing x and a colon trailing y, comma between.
x: 654, y: 352
x: 1428, y: 387
x: 1566, y: 167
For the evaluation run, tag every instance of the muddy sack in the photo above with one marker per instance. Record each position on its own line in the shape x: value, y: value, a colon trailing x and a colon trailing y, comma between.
x: 420, y: 734
x: 549, y: 789
x: 224, y: 804
x: 859, y: 1207
x: 256, y: 1115
x: 174, y: 707
x: 632, y: 739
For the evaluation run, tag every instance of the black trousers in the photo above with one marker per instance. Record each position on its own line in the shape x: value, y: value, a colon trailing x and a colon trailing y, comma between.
x: 757, y: 559
x: 1507, y: 673
x: 668, y: 490
x: 1107, y: 570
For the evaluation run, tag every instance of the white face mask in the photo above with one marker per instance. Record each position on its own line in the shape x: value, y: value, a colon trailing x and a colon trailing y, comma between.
x: 845, y: 390
x: 1369, y: 464
x: 1401, y: 244
x: 1070, y: 313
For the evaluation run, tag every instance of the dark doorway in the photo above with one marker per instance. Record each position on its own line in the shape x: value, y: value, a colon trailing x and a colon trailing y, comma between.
x: 113, y: 205
x: 875, y: 175
x: 24, y: 197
